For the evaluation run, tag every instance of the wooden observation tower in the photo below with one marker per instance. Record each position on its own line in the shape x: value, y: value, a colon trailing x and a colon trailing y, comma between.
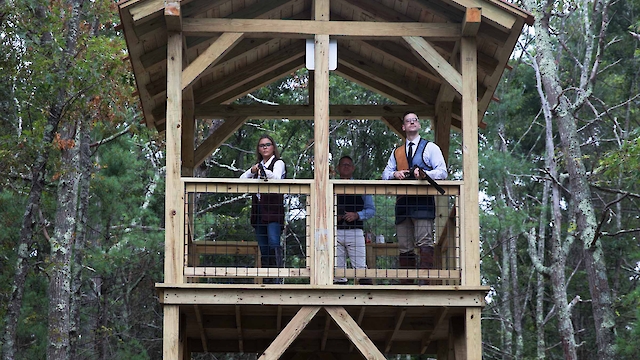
x: 439, y: 58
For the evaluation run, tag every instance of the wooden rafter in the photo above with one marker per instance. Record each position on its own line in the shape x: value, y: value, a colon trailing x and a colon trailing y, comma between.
x: 269, y: 63
x: 209, y: 57
x: 434, y: 60
x: 379, y: 74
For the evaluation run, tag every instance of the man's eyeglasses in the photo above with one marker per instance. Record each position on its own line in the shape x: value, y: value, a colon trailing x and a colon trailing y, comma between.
x: 345, y: 165
x: 411, y: 120
x: 265, y: 145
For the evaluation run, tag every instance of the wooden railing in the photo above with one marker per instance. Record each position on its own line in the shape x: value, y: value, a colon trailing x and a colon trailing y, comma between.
x: 242, y: 255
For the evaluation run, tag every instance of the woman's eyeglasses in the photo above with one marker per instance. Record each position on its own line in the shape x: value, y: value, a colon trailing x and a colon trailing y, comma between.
x: 265, y: 145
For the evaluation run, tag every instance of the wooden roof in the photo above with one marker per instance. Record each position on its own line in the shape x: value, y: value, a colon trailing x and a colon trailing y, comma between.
x: 406, y: 50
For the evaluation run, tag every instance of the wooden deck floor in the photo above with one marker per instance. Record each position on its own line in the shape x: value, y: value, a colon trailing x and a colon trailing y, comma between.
x: 248, y: 318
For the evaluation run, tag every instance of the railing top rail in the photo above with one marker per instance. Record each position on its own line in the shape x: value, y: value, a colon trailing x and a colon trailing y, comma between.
x: 193, y: 180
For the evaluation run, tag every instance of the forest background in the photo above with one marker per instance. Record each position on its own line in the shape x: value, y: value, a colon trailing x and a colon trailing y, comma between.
x: 81, y: 191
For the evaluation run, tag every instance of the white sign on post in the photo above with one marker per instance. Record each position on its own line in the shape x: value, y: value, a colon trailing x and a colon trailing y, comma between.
x: 310, y: 54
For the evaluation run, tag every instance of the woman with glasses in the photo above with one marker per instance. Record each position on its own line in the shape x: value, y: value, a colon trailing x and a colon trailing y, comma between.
x: 267, y: 210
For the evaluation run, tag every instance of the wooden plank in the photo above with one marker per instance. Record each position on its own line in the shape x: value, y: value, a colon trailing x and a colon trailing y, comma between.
x: 289, y: 333
x: 146, y: 10
x: 376, y: 10
x: 174, y: 201
x: 304, y: 28
x: 470, y: 216
x: 362, y: 342
x: 435, y: 61
x: 209, y: 57
x: 307, y: 295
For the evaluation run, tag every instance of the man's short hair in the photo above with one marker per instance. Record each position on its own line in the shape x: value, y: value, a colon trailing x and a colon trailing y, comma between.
x: 407, y: 113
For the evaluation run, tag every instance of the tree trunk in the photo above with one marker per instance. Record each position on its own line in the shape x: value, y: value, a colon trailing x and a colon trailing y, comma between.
x: 62, y: 243
x: 79, y: 246
x: 507, y: 300
x: 540, y: 281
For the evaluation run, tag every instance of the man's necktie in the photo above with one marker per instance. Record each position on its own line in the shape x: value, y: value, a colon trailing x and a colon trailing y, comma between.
x: 410, y: 155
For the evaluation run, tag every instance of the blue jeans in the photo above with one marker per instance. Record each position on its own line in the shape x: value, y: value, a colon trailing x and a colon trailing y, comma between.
x: 268, y: 236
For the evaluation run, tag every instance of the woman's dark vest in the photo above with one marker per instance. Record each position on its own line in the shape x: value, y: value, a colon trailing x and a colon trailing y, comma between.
x: 269, y: 208
x: 350, y: 203
x: 416, y: 207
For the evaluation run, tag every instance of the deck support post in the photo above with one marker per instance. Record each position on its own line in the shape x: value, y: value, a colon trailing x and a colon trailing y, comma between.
x: 323, y: 248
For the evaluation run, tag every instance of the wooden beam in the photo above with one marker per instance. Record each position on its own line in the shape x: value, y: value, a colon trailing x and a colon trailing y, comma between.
x: 171, y: 332
x: 363, y: 309
x: 267, y: 78
x: 382, y: 75
x: 495, y: 14
x: 354, y: 333
x: 325, y: 333
x: 241, y: 77
x: 212, y: 294
x: 470, y: 234
x: 174, y: 199
x: 217, y: 138
x: 290, y: 333
x: 472, y: 334
x: 471, y: 21
x: 400, y: 55
x: 203, y: 334
x: 399, y: 319
x: 239, y: 329
x: 322, y: 246
x: 435, y: 61
x: 375, y: 10
x: 305, y: 28
x: 145, y: 10
x: 430, y: 334
x: 172, y: 15
x: 375, y: 86
x: 209, y: 57
x: 305, y: 112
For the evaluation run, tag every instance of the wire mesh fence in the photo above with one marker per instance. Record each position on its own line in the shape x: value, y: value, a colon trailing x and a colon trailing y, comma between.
x: 239, y: 231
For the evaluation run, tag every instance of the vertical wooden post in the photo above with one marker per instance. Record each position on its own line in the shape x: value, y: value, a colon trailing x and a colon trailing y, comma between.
x: 171, y: 333
x: 471, y: 270
x: 323, y: 230
x: 468, y: 54
x: 174, y: 198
